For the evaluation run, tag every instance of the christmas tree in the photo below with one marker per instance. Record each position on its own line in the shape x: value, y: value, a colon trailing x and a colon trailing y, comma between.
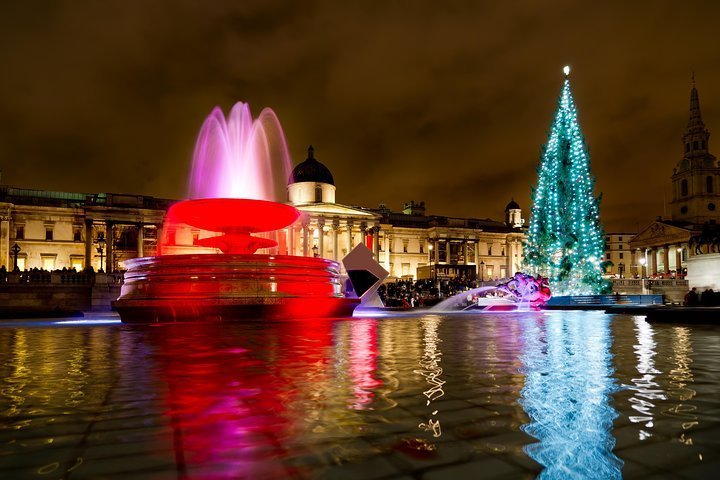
x: 566, y: 241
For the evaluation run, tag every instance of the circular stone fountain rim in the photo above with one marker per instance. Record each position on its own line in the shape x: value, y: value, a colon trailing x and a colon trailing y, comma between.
x: 234, y: 214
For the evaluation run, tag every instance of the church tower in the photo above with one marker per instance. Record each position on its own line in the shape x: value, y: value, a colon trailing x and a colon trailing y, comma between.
x: 696, y: 179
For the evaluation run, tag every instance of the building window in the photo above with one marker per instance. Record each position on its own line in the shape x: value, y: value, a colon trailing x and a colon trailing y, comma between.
x: 683, y: 188
x: 619, y: 239
x: 48, y: 261
x: 489, y: 250
x: 422, y: 247
x: 711, y: 207
x: 318, y: 193
x: 702, y: 144
x: 405, y: 246
x: 683, y: 209
x: 48, y: 235
x: 607, y: 256
x: 77, y: 262
x: 695, y: 145
x: 621, y: 255
x: 20, y: 233
x: 77, y: 236
x: 709, y: 184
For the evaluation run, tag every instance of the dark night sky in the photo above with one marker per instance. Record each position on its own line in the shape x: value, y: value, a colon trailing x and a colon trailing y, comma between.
x: 446, y: 102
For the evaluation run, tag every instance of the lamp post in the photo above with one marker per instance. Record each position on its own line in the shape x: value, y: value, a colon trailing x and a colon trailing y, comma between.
x: 101, y: 250
x: 315, y: 251
x: 15, y: 249
x: 482, y: 272
x: 430, y: 254
x: 643, y: 262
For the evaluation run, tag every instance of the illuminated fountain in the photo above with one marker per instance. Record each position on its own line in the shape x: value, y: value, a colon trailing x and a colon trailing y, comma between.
x: 239, y: 170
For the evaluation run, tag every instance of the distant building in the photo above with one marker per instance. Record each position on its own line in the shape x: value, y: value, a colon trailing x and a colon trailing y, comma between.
x: 56, y: 230
x: 620, y: 255
x: 663, y: 245
x: 409, y: 244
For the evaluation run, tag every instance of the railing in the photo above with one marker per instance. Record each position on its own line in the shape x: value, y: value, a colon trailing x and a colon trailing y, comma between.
x: 650, y: 283
x: 39, y: 277
x: 605, y: 300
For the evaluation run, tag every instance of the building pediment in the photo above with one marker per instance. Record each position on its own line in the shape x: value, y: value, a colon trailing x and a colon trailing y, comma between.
x: 659, y: 234
x: 335, y: 210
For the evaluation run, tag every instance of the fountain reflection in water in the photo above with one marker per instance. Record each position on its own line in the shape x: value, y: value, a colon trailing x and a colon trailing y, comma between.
x: 568, y: 382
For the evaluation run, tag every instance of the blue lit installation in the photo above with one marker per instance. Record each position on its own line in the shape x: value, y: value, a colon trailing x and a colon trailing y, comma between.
x: 568, y: 382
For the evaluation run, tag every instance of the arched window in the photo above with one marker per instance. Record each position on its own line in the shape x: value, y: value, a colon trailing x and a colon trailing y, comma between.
x: 318, y: 193
x: 683, y: 188
x: 709, y: 184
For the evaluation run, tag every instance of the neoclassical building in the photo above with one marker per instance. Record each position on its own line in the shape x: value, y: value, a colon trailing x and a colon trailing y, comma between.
x: 55, y: 230
x: 409, y: 244
x: 663, y: 245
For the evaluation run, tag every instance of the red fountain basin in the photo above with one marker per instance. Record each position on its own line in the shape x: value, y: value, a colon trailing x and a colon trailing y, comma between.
x: 236, y: 219
x: 225, y: 287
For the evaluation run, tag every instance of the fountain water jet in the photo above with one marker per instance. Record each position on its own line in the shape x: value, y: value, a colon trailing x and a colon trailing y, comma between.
x: 238, y: 175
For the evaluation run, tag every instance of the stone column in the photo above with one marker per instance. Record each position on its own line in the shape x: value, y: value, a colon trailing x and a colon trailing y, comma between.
x: 349, y: 236
x: 363, y: 233
x: 335, y: 228
x: 672, y: 258
x: 652, y: 262
x: 290, y: 240
x: 436, y: 250
x: 109, y: 253
x: 376, y: 242
x: 509, y: 251
x: 465, y: 252
x: 158, y: 238
x: 140, y: 240
x: 88, y: 242
x: 666, y: 258
x: 386, y: 247
x: 447, y: 252
x: 5, y: 241
x: 321, y: 237
x: 305, y: 239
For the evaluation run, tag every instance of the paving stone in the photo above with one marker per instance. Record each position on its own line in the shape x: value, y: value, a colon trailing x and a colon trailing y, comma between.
x: 491, y: 468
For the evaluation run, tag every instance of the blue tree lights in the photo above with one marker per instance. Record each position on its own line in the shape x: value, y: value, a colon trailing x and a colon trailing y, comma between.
x: 566, y: 241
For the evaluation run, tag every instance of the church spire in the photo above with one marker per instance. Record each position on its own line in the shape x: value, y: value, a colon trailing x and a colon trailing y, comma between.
x: 695, y: 122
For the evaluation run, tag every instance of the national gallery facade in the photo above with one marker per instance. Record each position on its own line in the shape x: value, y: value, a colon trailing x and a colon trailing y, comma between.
x: 55, y: 230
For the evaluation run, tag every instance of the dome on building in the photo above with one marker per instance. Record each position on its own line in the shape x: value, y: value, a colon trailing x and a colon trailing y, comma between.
x: 311, y: 171
x: 513, y: 205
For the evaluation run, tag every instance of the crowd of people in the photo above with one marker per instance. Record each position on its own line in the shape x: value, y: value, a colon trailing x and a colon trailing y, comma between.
x: 708, y: 298
x: 421, y: 293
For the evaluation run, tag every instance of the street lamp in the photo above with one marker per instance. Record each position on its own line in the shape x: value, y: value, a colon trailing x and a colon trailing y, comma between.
x: 101, y: 250
x: 315, y: 251
x: 482, y: 272
x: 15, y: 249
x: 643, y: 261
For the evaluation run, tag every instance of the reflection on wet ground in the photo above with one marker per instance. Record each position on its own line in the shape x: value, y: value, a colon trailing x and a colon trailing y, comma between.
x: 553, y: 395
